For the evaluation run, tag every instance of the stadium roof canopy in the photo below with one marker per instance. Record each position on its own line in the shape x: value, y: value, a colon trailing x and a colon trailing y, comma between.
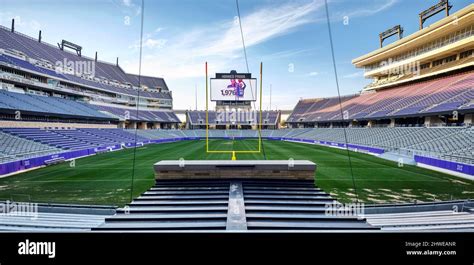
x: 442, y: 27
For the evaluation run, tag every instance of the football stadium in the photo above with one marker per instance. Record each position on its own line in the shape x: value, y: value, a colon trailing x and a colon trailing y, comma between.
x: 95, y: 147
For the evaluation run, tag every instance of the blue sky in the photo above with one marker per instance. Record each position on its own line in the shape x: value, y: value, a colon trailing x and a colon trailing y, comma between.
x: 289, y: 36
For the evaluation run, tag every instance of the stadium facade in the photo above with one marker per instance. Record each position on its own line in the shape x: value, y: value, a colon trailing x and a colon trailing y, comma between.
x: 41, y: 82
x: 234, y: 119
x: 424, y: 79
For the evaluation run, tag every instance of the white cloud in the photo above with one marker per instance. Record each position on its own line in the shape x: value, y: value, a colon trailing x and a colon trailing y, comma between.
x: 353, y: 75
x: 220, y: 43
x: 180, y: 59
x: 260, y: 26
x: 288, y: 53
x: 34, y: 25
x: 130, y: 5
x: 28, y: 26
x: 127, y: 3
x: 183, y: 54
x: 150, y: 43
x: 377, y: 7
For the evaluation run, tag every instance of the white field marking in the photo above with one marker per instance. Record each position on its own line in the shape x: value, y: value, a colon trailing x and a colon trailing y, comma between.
x: 459, y: 181
x: 410, y: 195
x: 397, y: 197
x: 375, y: 195
x: 349, y: 194
x: 428, y: 194
x: 376, y: 200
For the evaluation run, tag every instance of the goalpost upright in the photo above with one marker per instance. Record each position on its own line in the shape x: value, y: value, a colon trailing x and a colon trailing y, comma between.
x: 259, y: 120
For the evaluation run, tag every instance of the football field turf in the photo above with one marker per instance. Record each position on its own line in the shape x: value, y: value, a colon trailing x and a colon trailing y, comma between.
x: 107, y: 178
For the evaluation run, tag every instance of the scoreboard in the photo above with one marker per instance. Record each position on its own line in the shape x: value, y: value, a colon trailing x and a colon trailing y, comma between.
x: 233, y: 89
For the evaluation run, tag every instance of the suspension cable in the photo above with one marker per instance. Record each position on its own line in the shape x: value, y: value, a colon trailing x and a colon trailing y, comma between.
x: 248, y: 71
x: 138, y: 97
x: 339, y: 97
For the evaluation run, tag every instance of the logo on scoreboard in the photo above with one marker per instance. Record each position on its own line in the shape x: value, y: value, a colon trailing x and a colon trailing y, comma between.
x: 233, y: 89
x: 236, y: 88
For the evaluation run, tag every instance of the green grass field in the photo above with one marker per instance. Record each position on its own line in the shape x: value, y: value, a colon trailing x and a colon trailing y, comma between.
x: 106, y: 178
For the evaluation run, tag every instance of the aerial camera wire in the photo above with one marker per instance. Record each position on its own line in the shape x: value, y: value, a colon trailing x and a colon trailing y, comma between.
x: 340, y: 101
x: 248, y: 71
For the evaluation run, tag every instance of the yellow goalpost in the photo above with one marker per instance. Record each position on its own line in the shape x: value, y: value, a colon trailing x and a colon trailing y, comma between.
x: 259, y: 123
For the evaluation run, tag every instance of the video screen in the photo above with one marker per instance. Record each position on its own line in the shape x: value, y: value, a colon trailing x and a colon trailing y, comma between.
x: 233, y: 89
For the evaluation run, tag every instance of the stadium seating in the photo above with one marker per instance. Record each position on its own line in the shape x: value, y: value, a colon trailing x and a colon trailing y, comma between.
x: 13, y: 147
x: 25, y: 54
x: 44, y: 51
x: 308, y: 109
x: 43, y: 104
x: 439, y: 95
x: 67, y: 140
x: 142, y: 115
x: 74, y: 139
x: 199, y: 118
x: 450, y: 143
x: 117, y: 135
x: 103, y: 86
x: 55, y: 105
x: 454, y: 143
x: 51, y: 217
x: 163, y: 134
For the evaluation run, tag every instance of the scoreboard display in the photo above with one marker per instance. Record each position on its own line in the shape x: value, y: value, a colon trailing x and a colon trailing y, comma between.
x: 233, y: 89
